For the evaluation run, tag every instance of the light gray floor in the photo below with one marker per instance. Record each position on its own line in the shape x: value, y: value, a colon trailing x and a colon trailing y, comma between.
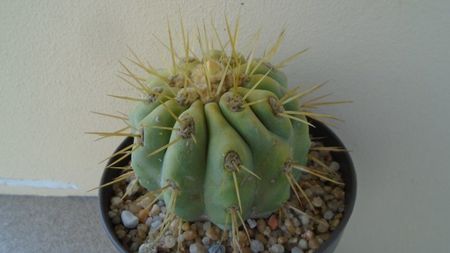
x: 51, y: 224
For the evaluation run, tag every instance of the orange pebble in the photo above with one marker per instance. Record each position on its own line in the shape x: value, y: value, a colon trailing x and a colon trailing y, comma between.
x: 273, y: 222
x: 143, y: 215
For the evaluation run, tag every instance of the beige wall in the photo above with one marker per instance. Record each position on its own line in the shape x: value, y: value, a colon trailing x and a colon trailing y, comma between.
x: 59, y: 58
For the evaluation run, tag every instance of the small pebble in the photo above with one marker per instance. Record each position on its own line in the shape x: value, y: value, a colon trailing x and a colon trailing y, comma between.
x: 317, y: 201
x: 317, y: 189
x: 272, y: 240
x: 206, y: 225
x: 308, y: 192
x: 323, y: 226
x: 303, y: 244
x: 296, y: 250
x: 196, y: 248
x: 261, y: 225
x: 156, y: 222
x: 116, y: 201
x: 189, y: 235
x: 334, y: 223
x: 216, y: 248
x: 293, y: 240
x: 328, y: 215
x: 206, y: 241
x: 334, y: 166
x: 129, y: 220
x: 252, y: 223
x: 309, y: 234
x: 338, y: 193
x: 261, y: 238
x: 267, y: 231
x: 132, y: 207
x: 144, y: 202
x: 256, y: 246
x: 211, y: 233
x: 276, y: 248
x: 169, y: 242
x: 121, y: 233
x: 155, y: 210
x: 186, y: 226
x: 148, y: 221
x: 289, y: 226
x: 273, y: 222
x: 246, y: 250
x: 142, y: 215
x: 281, y: 240
x: 242, y: 237
x: 147, y: 248
x: 313, y: 243
x: 323, y: 237
x: 305, y: 219
x: 142, y: 231
x: 174, y: 226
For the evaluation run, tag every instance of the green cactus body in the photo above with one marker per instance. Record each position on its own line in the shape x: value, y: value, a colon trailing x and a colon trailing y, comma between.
x: 213, y: 135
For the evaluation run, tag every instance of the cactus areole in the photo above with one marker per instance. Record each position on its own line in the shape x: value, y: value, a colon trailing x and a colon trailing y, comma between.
x: 217, y: 137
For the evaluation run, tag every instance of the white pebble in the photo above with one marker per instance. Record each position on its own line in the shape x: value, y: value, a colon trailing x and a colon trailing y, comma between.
x: 256, y: 246
x: 266, y: 231
x: 276, y: 248
x: 303, y: 244
x: 252, y: 223
x: 129, y: 220
x: 304, y: 219
x: 115, y: 201
x: 328, y: 215
x: 216, y: 248
x: 156, y: 222
x: 334, y: 166
x: 148, y: 221
x: 169, y: 242
x: 196, y: 248
x: 296, y: 250
x: 147, y: 248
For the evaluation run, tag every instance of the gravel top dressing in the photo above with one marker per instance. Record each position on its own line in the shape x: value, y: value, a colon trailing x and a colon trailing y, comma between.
x: 139, y: 219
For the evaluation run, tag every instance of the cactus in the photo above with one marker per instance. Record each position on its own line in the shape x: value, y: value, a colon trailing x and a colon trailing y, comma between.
x: 222, y: 141
x: 221, y: 136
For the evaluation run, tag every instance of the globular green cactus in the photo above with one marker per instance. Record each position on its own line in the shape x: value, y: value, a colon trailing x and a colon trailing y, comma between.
x: 219, y: 136
x: 222, y: 133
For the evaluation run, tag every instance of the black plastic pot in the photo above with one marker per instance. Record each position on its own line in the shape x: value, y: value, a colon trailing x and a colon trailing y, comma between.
x: 330, y: 139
